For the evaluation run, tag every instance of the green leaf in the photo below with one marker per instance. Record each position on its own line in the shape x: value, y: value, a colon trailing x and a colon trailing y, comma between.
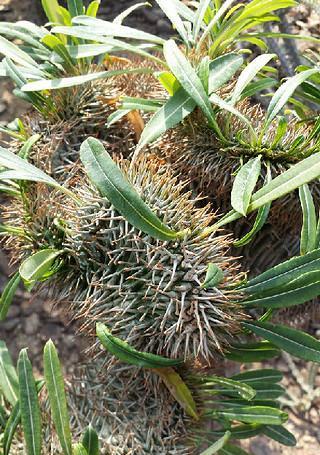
x: 75, y: 7
x: 130, y: 103
x: 29, y: 405
x: 179, y: 106
x: 55, y: 387
x: 13, y: 422
x: 230, y: 449
x: 199, y: 17
x: 282, y: 274
x: 248, y: 74
x: 39, y: 265
x: 179, y: 390
x: 215, y: 447
x: 20, y: 169
x: 124, y: 14
x: 8, y: 377
x: 255, y: 87
x: 8, y: 294
x: 284, y: 92
x: 168, y: 81
x: 280, y: 434
x: 126, y: 353
x: 244, y: 184
x: 90, y: 441
x: 222, y: 69
x: 55, y: 84
x: 13, y: 52
x: 27, y: 146
x: 300, y: 290
x: 213, y: 277
x: 252, y: 352
x: 52, y: 10
x: 106, y: 28
x: 169, y: 8
x: 263, y: 391
x: 265, y: 415
x: 309, y: 225
x: 303, y: 172
x: 259, y: 222
x: 295, y: 342
x: 188, y: 78
x: 60, y: 49
x: 112, y: 184
x: 229, y: 385
x: 93, y: 8
x: 78, y: 449
x: 264, y: 375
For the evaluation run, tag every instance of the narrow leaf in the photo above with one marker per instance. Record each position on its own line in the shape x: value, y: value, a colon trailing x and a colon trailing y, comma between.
x: 8, y: 294
x: 126, y: 353
x: 29, y: 405
x: 112, y: 184
x: 179, y: 390
x: 90, y: 441
x: 244, y: 184
x: 252, y: 352
x: 179, y: 106
x: 214, y: 276
x: 75, y: 7
x: 295, y: 342
x: 222, y: 69
x: 264, y: 375
x: 36, y: 267
x: 230, y: 449
x: 8, y: 377
x: 280, y: 434
x: 255, y: 414
x: 171, y: 12
x: 309, y: 225
x: 79, y: 449
x: 284, y: 92
x: 218, y: 444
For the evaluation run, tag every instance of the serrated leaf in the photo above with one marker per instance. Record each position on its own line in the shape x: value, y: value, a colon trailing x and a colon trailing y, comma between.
x: 252, y: 352
x: 126, y: 353
x: 55, y: 387
x: 264, y: 415
x: 8, y: 294
x: 244, y: 184
x: 29, y: 405
x: 222, y: 69
x: 179, y: 390
x: 112, y: 184
x: 214, y: 276
x: 179, y: 106
x: 309, y: 225
x: 188, y: 78
x: 13, y: 422
x: 295, y: 342
x: 248, y: 74
x: 55, y: 84
x: 38, y: 266
x: 90, y: 441
x: 284, y: 92
x: 8, y: 377
x: 280, y: 434
x: 216, y: 446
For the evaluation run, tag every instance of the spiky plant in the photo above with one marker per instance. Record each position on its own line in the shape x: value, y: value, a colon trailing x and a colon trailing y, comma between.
x: 133, y: 411
x: 148, y: 291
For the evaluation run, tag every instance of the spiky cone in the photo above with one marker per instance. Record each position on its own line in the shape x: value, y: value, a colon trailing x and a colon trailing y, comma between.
x: 146, y: 290
x: 133, y: 411
x: 82, y: 111
x: 194, y: 151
